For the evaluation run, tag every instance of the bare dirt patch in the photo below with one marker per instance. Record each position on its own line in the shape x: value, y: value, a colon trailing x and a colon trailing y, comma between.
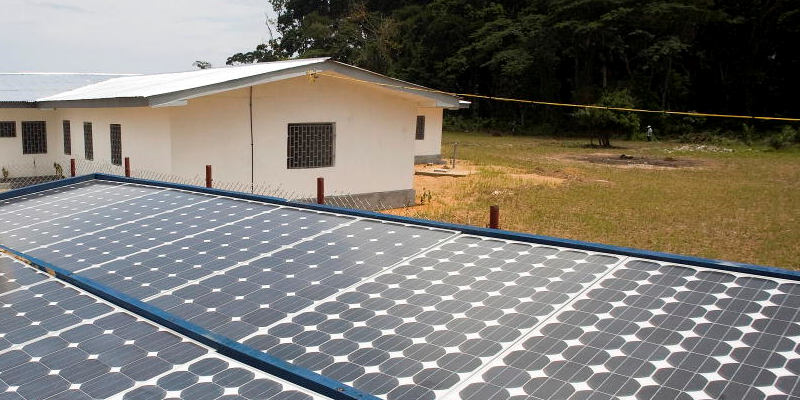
x: 626, y: 160
x: 435, y: 192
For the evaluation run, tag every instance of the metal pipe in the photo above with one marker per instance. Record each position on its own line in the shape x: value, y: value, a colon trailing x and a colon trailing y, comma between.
x: 320, y: 190
x: 208, y: 176
x: 494, y: 217
x: 455, y: 152
x: 72, y: 167
x: 127, y: 167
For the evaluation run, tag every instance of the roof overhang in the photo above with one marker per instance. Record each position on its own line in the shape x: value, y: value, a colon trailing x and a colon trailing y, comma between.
x: 180, y: 97
x: 17, y: 104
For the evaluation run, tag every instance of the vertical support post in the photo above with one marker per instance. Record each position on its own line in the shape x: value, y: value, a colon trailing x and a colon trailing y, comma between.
x: 494, y: 217
x: 127, y: 167
x: 208, y: 176
x: 455, y: 154
x: 320, y: 190
x: 72, y: 167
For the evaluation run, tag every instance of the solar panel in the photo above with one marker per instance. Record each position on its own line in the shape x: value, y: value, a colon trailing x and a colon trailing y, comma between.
x: 405, y: 311
x: 420, y: 328
x: 60, y: 343
x: 656, y: 331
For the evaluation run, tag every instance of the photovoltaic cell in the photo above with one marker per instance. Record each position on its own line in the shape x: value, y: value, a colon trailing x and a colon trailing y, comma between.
x: 59, y: 343
x: 422, y: 327
x: 244, y: 299
x: 396, y: 310
x: 42, y: 206
x: 654, y: 331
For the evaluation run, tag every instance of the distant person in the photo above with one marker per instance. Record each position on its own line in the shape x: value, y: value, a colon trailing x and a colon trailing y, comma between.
x: 649, y: 133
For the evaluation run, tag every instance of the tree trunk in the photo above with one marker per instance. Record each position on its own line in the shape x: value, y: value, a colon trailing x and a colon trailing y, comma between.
x: 666, y: 85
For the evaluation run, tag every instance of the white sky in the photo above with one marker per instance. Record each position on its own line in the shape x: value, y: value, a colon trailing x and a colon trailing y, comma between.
x: 136, y: 36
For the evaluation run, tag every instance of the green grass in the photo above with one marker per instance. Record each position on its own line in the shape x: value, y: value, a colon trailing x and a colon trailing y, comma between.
x: 739, y: 206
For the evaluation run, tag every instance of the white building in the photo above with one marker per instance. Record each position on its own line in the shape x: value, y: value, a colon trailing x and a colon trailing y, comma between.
x: 267, y: 123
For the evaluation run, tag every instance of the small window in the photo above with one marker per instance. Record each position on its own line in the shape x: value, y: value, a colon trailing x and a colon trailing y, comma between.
x: 88, y: 143
x: 311, y: 145
x: 67, y: 138
x: 8, y: 129
x: 420, y: 127
x: 34, y: 137
x: 116, y: 144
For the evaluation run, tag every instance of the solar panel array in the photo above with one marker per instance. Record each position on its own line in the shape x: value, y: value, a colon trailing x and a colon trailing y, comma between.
x: 404, y: 311
x: 57, y: 342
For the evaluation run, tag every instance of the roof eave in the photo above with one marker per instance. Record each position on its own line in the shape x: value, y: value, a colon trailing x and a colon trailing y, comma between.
x: 95, y: 103
x: 17, y: 104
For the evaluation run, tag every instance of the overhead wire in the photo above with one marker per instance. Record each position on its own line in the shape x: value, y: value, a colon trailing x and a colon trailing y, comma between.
x: 313, y: 75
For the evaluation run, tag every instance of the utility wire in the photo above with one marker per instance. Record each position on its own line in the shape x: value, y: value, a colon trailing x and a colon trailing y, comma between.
x: 314, y: 75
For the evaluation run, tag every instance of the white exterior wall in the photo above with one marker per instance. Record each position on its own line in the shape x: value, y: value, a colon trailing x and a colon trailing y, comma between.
x: 145, y: 135
x: 374, y: 127
x: 432, y: 145
x: 11, y: 156
x: 374, y: 136
x: 145, y: 138
x: 212, y: 130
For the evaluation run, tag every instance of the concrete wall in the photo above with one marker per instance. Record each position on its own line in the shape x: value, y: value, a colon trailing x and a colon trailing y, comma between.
x: 145, y: 135
x: 11, y: 156
x: 430, y: 149
x: 145, y: 139
x: 374, y: 136
x: 212, y: 130
x: 374, y: 127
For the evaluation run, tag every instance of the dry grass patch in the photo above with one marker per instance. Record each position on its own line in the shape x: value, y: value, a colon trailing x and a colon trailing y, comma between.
x: 740, y: 205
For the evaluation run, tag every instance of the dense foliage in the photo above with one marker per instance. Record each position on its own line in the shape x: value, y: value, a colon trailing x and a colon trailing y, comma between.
x: 731, y: 56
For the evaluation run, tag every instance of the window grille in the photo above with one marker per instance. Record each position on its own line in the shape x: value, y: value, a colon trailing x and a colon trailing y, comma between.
x: 8, y: 129
x: 88, y: 143
x: 116, y: 144
x: 420, y: 127
x: 67, y: 137
x: 34, y: 137
x: 311, y: 146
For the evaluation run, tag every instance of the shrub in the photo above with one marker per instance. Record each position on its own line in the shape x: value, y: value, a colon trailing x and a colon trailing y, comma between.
x: 783, y: 139
x: 603, y: 123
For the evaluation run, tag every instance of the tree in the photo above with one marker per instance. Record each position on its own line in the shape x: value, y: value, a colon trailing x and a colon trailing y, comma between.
x: 604, y: 123
x: 734, y: 56
x: 202, y: 64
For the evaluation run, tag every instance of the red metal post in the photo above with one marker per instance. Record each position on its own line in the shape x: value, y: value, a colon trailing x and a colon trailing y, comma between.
x: 72, y: 167
x: 320, y: 190
x: 127, y: 167
x: 494, y: 217
x: 208, y: 176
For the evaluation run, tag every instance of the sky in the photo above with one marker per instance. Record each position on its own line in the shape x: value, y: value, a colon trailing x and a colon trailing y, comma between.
x: 127, y: 36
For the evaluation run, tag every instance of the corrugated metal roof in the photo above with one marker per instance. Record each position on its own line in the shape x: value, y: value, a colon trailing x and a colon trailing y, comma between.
x: 157, y: 84
x: 29, y: 86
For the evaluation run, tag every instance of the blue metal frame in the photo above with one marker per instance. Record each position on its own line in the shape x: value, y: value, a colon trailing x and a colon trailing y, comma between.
x: 302, y: 376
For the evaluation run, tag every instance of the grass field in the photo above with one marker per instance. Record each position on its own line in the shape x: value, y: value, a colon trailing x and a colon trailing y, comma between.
x: 735, y: 203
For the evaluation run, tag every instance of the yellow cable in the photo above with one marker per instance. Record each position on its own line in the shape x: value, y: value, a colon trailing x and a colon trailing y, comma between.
x: 313, y: 74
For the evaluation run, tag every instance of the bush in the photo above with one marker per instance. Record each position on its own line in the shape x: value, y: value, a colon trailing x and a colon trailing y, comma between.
x: 603, y: 123
x: 783, y: 139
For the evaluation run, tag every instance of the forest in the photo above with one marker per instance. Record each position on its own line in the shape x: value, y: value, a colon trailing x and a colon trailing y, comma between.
x: 724, y: 57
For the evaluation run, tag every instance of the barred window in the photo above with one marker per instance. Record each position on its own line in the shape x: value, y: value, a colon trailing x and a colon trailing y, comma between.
x: 311, y: 145
x: 34, y: 137
x: 88, y: 143
x: 116, y: 144
x: 8, y: 129
x: 420, y: 127
x: 67, y: 137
